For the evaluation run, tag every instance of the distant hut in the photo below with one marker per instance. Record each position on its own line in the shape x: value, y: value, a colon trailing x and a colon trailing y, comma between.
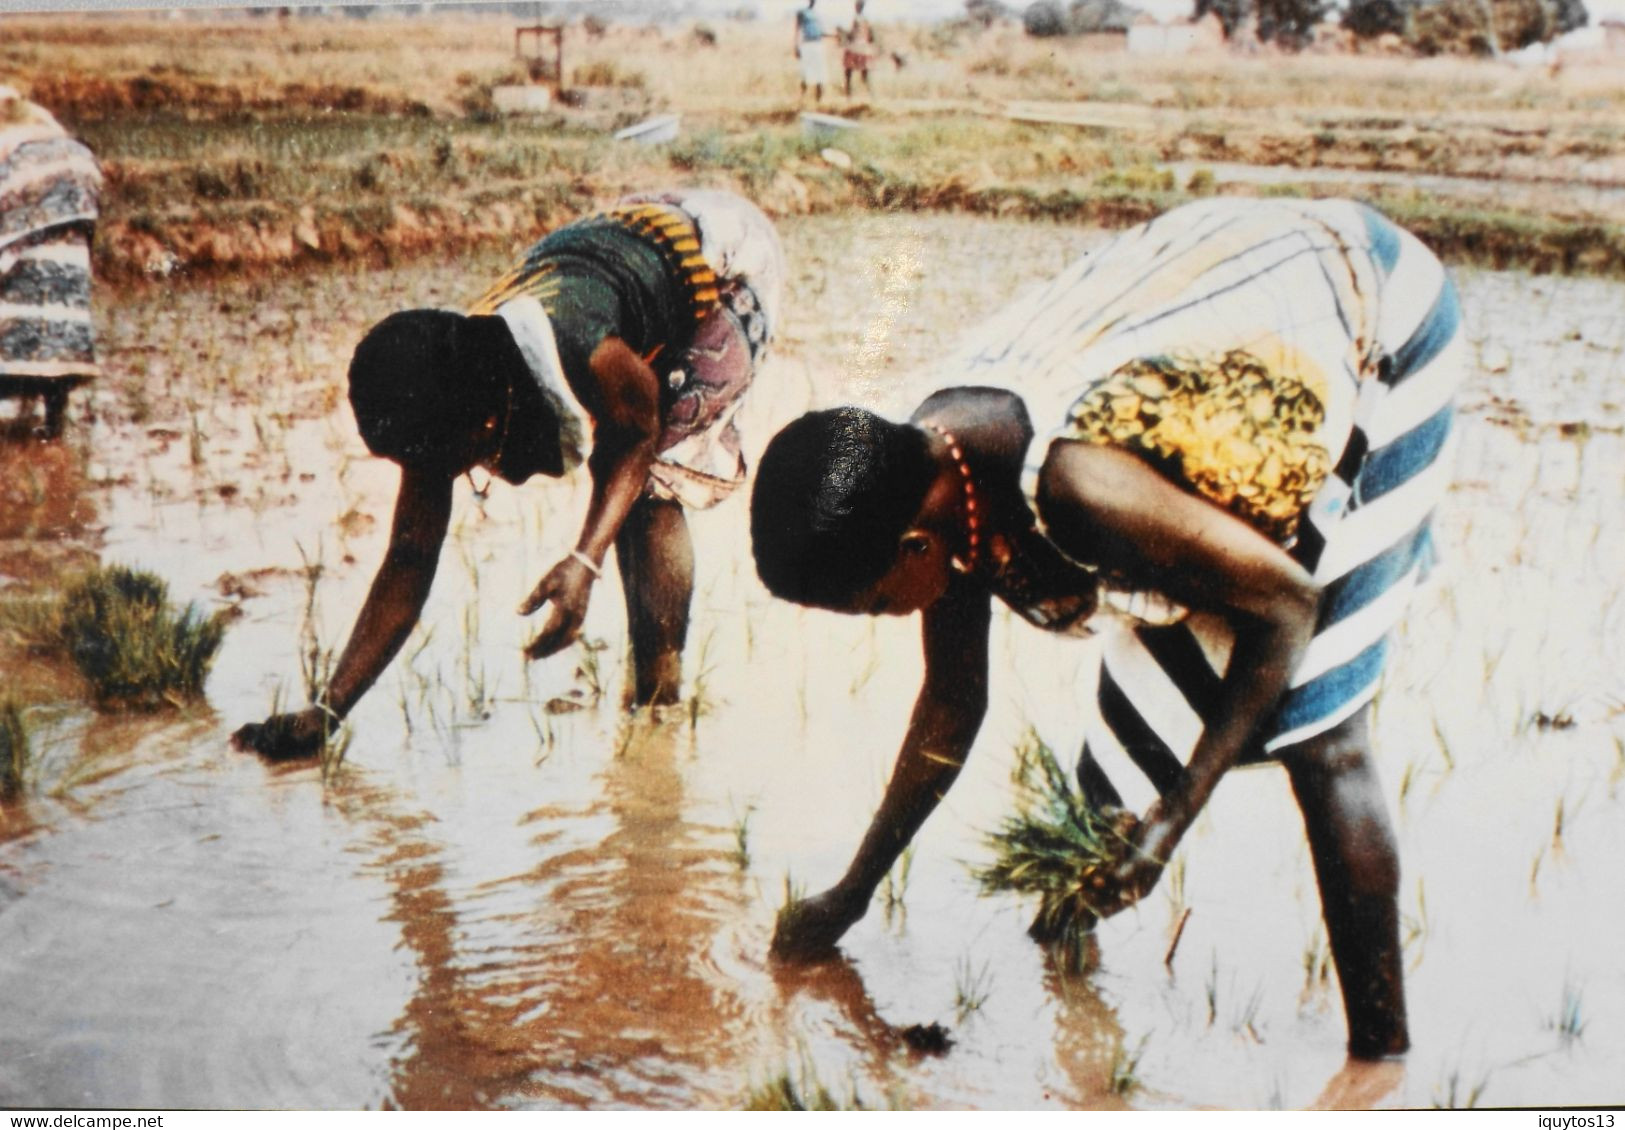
x: 49, y: 190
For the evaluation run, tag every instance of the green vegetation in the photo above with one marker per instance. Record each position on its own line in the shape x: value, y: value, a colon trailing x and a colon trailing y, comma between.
x: 1125, y: 1079
x: 117, y: 627
x: 800, y: 1090
x: 1057, y: 846
x: 972, y: 986
x: 16, y: 752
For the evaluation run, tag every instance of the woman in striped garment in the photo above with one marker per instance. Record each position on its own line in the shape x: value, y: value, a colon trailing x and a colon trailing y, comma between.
x: 1243, y: 410
x: 625, y: 340
x: 49, y: 192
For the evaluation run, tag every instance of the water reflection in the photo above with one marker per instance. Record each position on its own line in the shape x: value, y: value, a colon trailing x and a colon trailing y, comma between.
x: 587, y: 979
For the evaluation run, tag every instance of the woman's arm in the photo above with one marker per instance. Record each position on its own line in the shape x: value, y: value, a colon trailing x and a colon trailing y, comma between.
x: 626, y: 417
x: 947, y: 715
x: 422, y: 512
x: 1109, y: 506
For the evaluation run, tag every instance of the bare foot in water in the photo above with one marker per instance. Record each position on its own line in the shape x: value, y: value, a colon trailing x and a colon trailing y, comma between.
x: 1362, y: 1084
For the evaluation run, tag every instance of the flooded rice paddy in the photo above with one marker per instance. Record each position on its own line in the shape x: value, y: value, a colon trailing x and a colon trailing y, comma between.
x: 513, y: 895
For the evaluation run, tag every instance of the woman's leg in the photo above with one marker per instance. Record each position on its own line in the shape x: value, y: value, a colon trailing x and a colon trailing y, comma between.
x: 656, y: 557
x: 56, y: 409
x: 1357, y: 868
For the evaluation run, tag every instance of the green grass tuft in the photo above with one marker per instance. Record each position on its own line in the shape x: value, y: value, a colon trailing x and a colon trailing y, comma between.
x: 16, y: 751
x: 118, y: 628
x: 1057, y: 846
x: 800, y: 1090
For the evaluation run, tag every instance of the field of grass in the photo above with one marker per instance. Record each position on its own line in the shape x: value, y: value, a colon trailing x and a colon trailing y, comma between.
x: 238, y: 142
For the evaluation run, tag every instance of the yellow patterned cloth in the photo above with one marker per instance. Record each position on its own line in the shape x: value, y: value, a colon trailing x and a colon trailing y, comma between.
x: 1240, y: 435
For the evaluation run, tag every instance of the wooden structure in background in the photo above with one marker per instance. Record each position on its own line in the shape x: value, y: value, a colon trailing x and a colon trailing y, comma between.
x: 536, y: 62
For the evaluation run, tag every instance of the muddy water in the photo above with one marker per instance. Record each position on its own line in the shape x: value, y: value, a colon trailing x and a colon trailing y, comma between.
x: 513, y: 895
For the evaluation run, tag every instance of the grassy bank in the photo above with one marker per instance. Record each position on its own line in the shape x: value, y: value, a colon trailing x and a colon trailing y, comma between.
x: 244, y: 143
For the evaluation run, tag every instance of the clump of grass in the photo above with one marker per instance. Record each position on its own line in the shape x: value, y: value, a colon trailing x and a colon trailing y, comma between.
x: 800, y: 1089
x: 1570, y: 1021
x: 1059, y: 847
x: 118, y: 628
x: 894, y: 888
x: 1457, y: 1093
x: 972, y: 987
x: 1125, y: 1078
x: 741, y: 831
x: 16, y: 751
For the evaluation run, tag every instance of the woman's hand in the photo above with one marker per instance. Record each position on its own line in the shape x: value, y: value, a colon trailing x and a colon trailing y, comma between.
x: 568, y: 587
x: 286, y: 737
x: 809, y: 928
x: 1151, y: 841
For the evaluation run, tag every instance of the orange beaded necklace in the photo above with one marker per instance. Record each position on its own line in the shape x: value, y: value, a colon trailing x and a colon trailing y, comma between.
x: 973, y: 517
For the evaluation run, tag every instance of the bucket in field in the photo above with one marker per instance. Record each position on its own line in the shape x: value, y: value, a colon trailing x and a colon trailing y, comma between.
x: 826, y: 127
x: 653, y: 131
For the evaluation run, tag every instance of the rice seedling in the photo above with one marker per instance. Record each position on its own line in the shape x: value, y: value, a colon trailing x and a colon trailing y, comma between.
x: 589, y: 669
x: 894, y: 888
x: 1210, y: 990
x: 699, y: 700
x: 545, y: 737
x: 1414, y: 928
x: 972, y: 987
x: 1570, y: 1021
x: 1125, y: 1079
x: 1317, y: 963
x: 333, y: 750
x: 1246, y: 1020
x: 1059, y: 847
x: 794, y: 892
x: 1457, y: 1095
x: 741, y: 834
x: 16, y: 751
x: 801, y: 1089
x: 1173, y: 942
x: 117, y: 627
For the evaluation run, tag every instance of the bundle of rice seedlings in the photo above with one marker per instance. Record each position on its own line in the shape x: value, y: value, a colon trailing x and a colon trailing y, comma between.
x: 117, y: 626
x: 1059, y: 847
x: 15, y: 751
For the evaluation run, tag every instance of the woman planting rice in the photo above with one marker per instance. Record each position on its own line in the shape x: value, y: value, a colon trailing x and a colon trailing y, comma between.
x: 644, y: 324
x: 1253, y: 401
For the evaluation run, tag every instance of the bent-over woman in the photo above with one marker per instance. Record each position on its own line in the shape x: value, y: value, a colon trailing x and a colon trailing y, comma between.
x: 624, y: 341
x: 1231, y: 424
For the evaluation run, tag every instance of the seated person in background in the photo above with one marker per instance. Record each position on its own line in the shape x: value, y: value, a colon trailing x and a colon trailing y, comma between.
x: 625, y: 340
x: 1246, y: 407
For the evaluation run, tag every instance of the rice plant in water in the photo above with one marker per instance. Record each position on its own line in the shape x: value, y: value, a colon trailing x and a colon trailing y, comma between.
x: 16, y: 751
x: 1059, y: 847
x: 1125, y: 1078
x: 801, y: 1089
x: 134, y: 649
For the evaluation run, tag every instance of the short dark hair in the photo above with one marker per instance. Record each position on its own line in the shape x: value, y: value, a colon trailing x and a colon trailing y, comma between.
x: 421, y: 380
x: 834, y: 493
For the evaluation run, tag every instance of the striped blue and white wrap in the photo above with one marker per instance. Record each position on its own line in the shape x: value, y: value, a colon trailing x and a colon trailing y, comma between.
x: 1346, y: 300
x: 49, y: 190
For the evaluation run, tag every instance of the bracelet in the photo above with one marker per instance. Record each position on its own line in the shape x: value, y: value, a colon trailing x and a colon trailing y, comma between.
x: 592, y: 566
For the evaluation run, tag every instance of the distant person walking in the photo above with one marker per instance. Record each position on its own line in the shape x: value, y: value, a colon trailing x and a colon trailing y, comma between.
x: 859, y: 50
x: 50, y: 188
x: 809, y: 51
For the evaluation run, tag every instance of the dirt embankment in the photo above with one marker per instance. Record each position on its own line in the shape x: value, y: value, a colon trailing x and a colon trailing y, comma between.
x: 200, y: 178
